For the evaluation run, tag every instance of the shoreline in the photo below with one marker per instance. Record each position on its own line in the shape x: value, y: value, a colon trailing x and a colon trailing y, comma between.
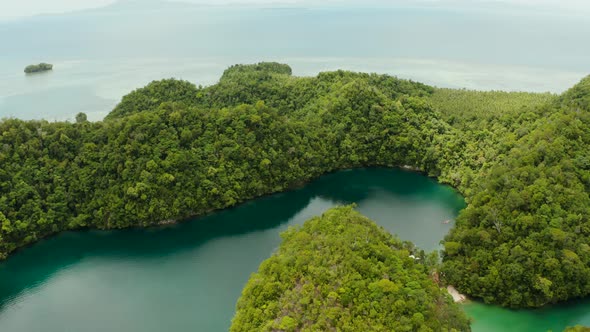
x: 193, y: 215
x: 457, y: 297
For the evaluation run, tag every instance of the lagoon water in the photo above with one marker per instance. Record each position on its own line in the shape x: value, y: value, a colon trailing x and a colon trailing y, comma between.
x: 488, y: 318
x: 188, y: 277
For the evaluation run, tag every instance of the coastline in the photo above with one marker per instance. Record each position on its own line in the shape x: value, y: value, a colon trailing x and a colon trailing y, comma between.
x: 457, y: 297
x: 192, y: 214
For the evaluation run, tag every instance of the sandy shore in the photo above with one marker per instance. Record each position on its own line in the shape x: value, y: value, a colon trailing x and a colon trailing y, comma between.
x: 457, y: 297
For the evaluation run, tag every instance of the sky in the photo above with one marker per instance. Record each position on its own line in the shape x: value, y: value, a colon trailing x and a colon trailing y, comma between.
x: 10, y: 9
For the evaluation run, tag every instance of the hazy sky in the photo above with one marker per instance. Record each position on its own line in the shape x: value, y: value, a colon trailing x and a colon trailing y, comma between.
x: 23, y: 8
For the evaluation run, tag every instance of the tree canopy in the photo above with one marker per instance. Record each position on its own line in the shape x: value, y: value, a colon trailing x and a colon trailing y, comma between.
x: 342, y: 272
x: 577, y: 328
x: 522, y: 241
x: 38, y: 68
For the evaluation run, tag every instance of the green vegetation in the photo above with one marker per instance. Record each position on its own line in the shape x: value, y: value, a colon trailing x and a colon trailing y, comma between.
x: 81, y: 117
x: 149, y: 98
x: 467, y: 109
x: 577, y: 328
x: 341, y: 272
x: 172, y: 150
x: 522, y: 240
x: 156, y: 159
x: 38, y: 68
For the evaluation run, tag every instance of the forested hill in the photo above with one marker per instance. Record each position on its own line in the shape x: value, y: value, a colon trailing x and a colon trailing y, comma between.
x: 341, y: 272
x: 268, y: 82
x: 523, y: 238
x: 172, y: 150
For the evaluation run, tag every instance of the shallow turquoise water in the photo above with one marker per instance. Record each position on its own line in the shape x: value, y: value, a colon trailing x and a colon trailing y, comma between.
x: 487, y: 318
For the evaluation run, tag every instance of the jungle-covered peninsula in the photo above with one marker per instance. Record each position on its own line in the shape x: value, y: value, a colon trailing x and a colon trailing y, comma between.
x: 342, y: 272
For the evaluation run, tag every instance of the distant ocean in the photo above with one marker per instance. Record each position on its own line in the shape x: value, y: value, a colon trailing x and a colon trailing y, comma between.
x: 102, y: 54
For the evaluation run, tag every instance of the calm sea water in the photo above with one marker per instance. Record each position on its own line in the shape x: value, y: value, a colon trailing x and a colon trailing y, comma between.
x: 100, y: 55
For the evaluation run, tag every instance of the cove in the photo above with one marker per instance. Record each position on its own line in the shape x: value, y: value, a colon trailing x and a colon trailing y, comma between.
x: 187, y: 277
x: 489, y: 318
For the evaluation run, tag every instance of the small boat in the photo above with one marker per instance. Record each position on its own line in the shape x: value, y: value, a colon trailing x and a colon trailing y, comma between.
x: 447, y: 221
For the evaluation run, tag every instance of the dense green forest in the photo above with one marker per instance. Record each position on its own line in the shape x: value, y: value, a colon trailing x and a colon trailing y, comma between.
x: 178, y: 159
x: 342, y: 272
x: 522, y: 241
x: 172, y: 150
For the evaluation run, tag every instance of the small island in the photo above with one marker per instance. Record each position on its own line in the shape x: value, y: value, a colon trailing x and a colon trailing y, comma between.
x: 38, y: 68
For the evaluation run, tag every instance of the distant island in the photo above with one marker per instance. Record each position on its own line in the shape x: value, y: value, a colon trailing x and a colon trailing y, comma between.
x: 38, y: 68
